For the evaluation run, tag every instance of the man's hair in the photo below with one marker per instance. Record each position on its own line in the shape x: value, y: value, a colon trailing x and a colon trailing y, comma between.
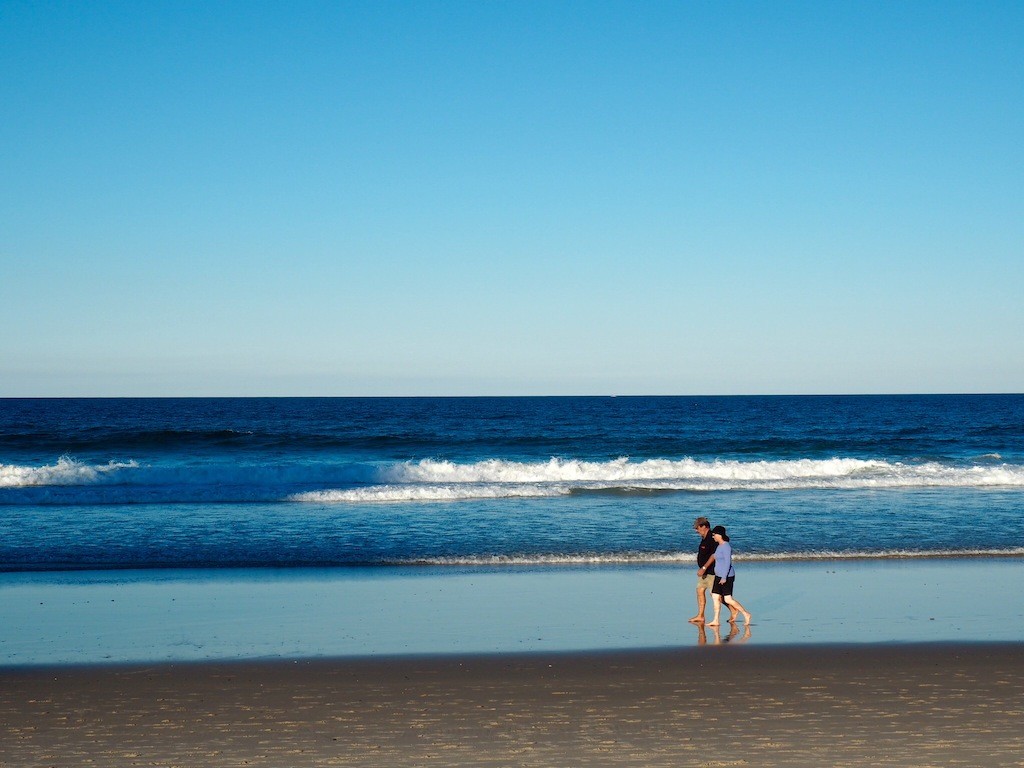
x: 701, y: 522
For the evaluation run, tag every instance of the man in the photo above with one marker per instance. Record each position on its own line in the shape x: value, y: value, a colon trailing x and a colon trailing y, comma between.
x: 705, y: 568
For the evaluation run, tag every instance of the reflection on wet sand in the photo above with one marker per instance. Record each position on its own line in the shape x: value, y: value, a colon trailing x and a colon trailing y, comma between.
x: 733, y: 635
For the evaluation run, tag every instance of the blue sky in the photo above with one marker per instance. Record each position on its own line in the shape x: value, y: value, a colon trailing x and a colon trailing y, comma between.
x: 511, y: 198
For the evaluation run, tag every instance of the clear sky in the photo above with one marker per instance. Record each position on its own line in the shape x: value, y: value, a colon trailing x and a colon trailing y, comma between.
x: 377, y: 198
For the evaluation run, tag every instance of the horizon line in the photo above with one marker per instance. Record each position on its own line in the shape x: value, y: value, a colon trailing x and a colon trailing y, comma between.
x: 507, y: 396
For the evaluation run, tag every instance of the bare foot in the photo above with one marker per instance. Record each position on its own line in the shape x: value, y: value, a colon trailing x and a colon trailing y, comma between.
x: 696, y: 620
x: 746, y: 617
x: 732, y: 619
x: 713, y: 623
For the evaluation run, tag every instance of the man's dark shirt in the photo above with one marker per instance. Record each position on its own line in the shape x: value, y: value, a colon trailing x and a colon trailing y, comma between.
x: 707, y: 548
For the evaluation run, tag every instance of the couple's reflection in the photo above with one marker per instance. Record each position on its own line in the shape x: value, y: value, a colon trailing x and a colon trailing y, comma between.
x: 733, y: 636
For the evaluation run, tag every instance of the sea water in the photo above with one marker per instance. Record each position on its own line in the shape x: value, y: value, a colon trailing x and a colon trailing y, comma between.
x: 504, y: 482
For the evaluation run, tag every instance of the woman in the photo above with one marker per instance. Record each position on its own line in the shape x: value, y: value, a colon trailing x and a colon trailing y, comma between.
x: 725, y: 575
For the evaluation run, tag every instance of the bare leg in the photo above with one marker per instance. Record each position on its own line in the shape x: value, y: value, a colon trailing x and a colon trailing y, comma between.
x: 734, y: 605
x: 702, y: 601
x: 718, y: 607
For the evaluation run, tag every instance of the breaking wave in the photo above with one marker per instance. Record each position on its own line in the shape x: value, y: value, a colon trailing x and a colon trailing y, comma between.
x: 429, y: 493
x: 65, y: 471
x: 691, y: 473
x: 69, y: 480
x: 495, y: 478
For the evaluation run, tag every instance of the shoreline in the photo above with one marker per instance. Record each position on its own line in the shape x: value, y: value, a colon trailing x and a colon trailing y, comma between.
x: 503, y: 564
x: 883, y: 704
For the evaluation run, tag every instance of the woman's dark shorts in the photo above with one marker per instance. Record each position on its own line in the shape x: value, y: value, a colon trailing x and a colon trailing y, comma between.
x: 723, y: 589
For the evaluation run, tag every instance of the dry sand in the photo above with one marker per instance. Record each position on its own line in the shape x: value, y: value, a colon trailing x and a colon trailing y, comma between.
x: 867, y: 705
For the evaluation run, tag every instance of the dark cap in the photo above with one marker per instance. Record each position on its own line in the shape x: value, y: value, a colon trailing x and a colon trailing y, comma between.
x: 720, y: 530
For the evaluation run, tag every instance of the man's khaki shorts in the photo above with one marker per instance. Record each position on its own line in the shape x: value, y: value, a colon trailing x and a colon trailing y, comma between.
x: 707, y: 581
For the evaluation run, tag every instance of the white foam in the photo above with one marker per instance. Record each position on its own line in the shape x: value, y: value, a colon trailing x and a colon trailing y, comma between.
x: 690, y: 473
x: 66, y: 471
x: 624, y: 470
x: 495, y: 478
x: 388, y: 493
x: 438, y: 480
x: 672, y: 558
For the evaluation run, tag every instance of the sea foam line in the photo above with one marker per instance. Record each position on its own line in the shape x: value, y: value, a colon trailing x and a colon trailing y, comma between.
x: 692, y: 473
x: 390, y: 493
x: 622, y: 469
x: 686, y: 558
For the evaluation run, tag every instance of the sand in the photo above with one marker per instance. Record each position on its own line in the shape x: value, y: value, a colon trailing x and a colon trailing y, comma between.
x: 730, y: 704
x: 917, y: 682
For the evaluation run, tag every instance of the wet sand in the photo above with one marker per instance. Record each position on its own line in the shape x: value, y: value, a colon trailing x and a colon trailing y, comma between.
x: 227, y: 614
x: 733, y: 704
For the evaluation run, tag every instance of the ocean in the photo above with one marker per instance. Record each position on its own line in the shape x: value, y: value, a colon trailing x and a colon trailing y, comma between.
x: 225, y: 483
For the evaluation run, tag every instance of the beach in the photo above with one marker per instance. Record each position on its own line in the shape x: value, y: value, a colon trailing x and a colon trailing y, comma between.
x: 508, y: 581
x: 916, y: 705
x: 174, y: 669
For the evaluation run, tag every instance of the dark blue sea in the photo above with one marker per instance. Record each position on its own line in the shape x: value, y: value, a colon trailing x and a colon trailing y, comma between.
x: 465, y: 482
